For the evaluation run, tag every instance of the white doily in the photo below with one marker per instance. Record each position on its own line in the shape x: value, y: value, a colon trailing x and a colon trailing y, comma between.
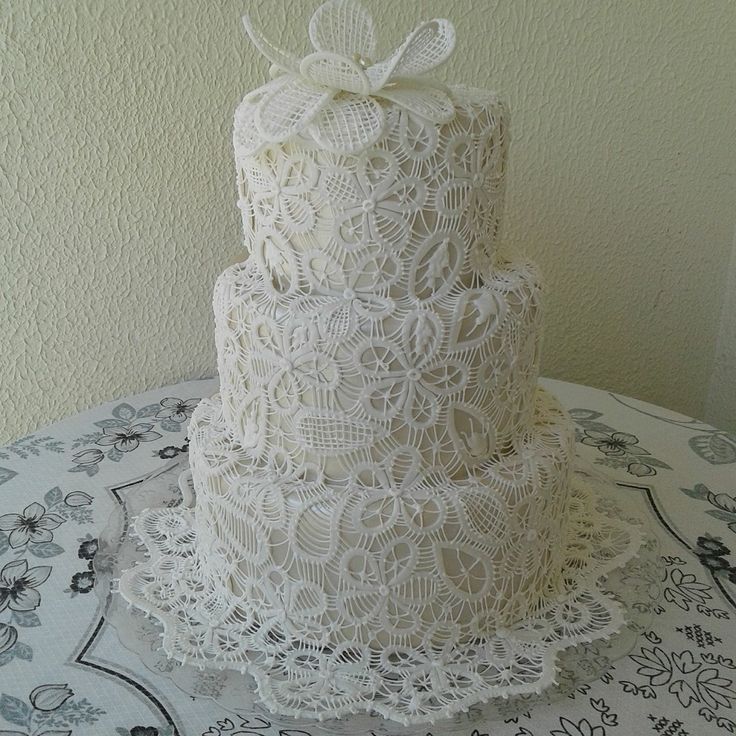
x: 308, y: 681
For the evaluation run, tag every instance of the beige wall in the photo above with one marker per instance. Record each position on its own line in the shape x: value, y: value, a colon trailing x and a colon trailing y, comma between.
x: 117, y: 197
x: 720, y: 404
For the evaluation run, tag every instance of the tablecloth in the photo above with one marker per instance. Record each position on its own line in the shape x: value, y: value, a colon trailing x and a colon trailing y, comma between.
x: 64, y: 671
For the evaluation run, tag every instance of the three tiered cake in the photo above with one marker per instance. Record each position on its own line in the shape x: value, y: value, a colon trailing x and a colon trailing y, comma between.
x: 385, y: 514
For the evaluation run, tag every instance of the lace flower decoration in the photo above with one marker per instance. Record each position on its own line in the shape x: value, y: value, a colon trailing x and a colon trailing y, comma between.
x: 333, y: 93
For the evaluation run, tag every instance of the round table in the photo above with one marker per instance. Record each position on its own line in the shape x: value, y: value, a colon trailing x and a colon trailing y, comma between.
x: 63, y: 670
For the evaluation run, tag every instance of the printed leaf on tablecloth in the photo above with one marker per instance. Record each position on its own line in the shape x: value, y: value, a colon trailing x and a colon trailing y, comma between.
x: 170, y: 425
x: 714, y: 689
x: 716, y: 448
x: 4, y: 544
x: 657, y: 463
x: 585, y: 415
x: 45, y: 550
x: 89, y: 469
x: 699, y: 491
x: 721, y: 515
x: 53, y: 496
x: 6, y: 474
x: 684, y: 692
x: 14, y: 710
x: 124, y: 411
x: 115, y: 455
x: 110, y: 423
x: 148, y: 411
x: 86, y: 439
x: 23, y: 651
x: 27, y: 619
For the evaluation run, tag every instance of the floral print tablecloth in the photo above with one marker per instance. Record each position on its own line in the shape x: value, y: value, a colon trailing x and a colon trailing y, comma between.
x: 63, y: 670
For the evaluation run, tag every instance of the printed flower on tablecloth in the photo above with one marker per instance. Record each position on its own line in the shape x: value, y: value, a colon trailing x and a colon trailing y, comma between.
x: 333, y: 93
x: 374, y: 205
x: 34, y: 525
x: 126, y: 439
x: 50, y: 697
x: 90, y: 456
x: 178, y: 410
x: 82, y: 582
x: 640, y: 470
x: 689, y: 594
x: 711, y: 546
x: 126, y: 429
x: 689, y: 679
x: 8, y: 637
x: 581, y: 728
x: 723, y: 501
x: 18, y: 585
x: 77, y: 499
x: 712, y: 553
x: 613, y: 444
x: 411, y: 377
x: 171, y: 451
x: 54, y: 710
x: 88, y: 549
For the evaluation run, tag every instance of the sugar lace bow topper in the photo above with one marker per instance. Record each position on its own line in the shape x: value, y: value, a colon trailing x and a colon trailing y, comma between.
x: 333, y: 93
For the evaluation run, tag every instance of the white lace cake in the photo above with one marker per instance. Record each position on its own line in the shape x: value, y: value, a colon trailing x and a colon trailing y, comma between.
x: 386, y: 517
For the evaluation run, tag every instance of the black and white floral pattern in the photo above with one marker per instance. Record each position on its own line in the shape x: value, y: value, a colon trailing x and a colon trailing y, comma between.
x: 59, y: 487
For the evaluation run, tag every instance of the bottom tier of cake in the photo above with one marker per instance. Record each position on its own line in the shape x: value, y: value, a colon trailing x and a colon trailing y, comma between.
x: 392, y: 555
x: 403, y: 593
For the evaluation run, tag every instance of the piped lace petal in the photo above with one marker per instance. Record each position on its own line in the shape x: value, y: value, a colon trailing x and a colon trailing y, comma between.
x: 429, y: 102
x: 289, y: 107
x: 349, y: 124
x: 282, y: 59
x: 343, y: 27
x: 246, y: 138
x: 338, y: 72
x: 343, y: 34
x: 425, y: 48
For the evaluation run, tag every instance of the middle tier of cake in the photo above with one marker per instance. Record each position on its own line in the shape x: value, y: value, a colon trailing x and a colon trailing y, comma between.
x: 331, y: 381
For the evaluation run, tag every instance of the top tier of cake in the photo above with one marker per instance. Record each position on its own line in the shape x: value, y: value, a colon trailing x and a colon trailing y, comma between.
x: 421, y: 193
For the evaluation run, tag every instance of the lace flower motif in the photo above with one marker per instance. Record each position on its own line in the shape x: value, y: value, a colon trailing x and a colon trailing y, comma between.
x: 374, y: 203
x: 409, y: 376
x: 392, y: 492
x: 333, y: 93
x: 289, y: 363
x: 347, y: 301
x: 279, y: 190
x: 384, y: 588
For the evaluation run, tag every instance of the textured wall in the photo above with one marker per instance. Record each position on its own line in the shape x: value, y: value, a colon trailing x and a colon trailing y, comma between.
x: 720, y: 407
x: 117, y: 199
